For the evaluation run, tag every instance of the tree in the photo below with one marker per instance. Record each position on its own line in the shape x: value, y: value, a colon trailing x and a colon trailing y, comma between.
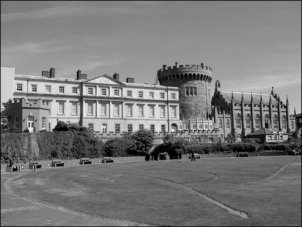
x: 61, y: 126
x: 143, y: 140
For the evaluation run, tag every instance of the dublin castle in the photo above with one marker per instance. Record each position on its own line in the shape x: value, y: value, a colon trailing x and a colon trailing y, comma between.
x: 179, y: 102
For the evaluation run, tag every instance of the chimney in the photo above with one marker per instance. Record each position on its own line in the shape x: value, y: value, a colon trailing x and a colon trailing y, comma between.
x: 52, y: 72
x: 116, y: 76
x: 81, y: 76
x: 129, y: 80
x: 45, y: 73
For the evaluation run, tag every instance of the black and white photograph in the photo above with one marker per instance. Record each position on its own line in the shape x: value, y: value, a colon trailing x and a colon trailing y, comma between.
x: 151, y: 113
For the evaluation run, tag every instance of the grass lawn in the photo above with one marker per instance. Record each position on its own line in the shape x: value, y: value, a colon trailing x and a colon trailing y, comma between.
x: 173, y: 192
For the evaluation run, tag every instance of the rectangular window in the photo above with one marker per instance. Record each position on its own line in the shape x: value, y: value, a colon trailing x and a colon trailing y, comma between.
x: 61, y: 107
x: 43, y: 122
x: 104, y: 128
x: 187, y: 91
x: 140, y: 110
x: 48, y: 88
x: 89, y: 108
x: 34, y: 88
x: 74, y: 108
x: 117, y: 128
x: 90, y: 126
x: 162, y: 95
x: 152, y: 128
x: 90, y: 90
x: 173, y: 96
x: 19, y: 87
x: 116, y: 110
x: 130, y: 128
x: 74, y: 90
x: 129, y: 110
x: 103, y: 91
x: 129, y: 93
x: 116, y: 92
x: 163, y: 128
x: 194, y: 91
x: 141, y: 127
x: 61, y: 89
x: 151, y: 94
x: 151, y: 111
x: 103, y: 109
x: 191, y: 91
x: 162, y: 111
x: 173, y: 111
x: 140, y: 94
x: 269, y: 138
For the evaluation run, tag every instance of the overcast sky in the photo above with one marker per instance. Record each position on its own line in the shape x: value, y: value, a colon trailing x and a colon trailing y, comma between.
x: 251, y: 46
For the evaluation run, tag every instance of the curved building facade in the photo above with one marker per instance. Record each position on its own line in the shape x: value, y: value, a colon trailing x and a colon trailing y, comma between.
x: 193, y: 82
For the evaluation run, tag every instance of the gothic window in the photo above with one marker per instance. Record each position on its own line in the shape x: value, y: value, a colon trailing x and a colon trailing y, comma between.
x: 266, y: 121
x: 228, y: 125
x: 275, y: 121
x: 283, y: 122
x: 238, y: 120
x: 257, y: 121
x: 248, y: 121
x: 220, y: 123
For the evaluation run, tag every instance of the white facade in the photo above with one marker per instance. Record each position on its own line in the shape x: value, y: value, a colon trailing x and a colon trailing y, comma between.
x: 103, y: 104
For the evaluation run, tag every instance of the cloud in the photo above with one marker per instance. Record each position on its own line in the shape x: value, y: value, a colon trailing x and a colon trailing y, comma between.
x: 87, y: 67
x: 68, y: 10
x: 31, y: 47
x: 264, y: 82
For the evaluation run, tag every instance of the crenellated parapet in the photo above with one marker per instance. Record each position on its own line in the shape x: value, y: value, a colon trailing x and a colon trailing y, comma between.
x: 23, y: 103
x: 184, y: 73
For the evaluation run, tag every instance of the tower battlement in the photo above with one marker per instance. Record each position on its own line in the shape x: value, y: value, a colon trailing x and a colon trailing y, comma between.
x: 193, y: 82
x: 184, y: 73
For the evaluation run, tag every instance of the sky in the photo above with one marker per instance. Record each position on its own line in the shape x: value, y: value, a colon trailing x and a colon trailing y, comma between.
x: 251, y: 45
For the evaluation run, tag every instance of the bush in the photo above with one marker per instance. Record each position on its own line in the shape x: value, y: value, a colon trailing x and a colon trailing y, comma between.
x: 242, y: 154
x: 119, y: 147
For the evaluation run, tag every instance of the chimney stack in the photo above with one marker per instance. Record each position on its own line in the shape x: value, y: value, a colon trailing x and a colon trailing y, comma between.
x: 45, y: 73
x: 116, y: 76
x: 129, y: 80
x: 52, y: 72
x: 81, y: 76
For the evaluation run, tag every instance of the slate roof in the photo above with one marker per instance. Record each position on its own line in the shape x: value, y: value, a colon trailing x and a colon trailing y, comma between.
x: 247, y: 97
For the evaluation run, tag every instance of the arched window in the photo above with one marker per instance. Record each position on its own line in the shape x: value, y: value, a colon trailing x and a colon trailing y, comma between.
x: 228, y: 125
x: 248, y: 121
x: 220, y: 123
x: 275, y: 121
x: 283, y: 122
x: 200, y: 126
x: 257, y: 121
x: 266, y: 121
x: 292, y: 124
x: 238, y: 120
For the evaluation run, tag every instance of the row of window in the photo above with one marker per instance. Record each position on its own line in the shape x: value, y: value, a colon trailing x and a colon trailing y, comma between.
x: 90, y: 91
x: 117, y: 109
x: 34, y: 88
x: 117, y: 127
x: 201, y: 126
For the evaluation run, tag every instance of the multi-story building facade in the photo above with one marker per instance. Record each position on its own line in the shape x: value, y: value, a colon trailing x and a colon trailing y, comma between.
x: 103, y: 104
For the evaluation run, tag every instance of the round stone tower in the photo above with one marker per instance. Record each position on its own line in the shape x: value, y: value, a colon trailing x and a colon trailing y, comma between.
x: 193, y: 82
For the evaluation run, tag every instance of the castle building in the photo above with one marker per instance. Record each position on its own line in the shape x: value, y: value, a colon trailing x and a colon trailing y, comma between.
x: 241, y: 113
x: 193, y: 82
x: 180, y: 102
x: 103, y: 104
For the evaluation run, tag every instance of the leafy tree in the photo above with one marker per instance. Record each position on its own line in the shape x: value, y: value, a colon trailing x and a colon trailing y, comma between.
x: 143, y: 140
x: 61, y: 126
